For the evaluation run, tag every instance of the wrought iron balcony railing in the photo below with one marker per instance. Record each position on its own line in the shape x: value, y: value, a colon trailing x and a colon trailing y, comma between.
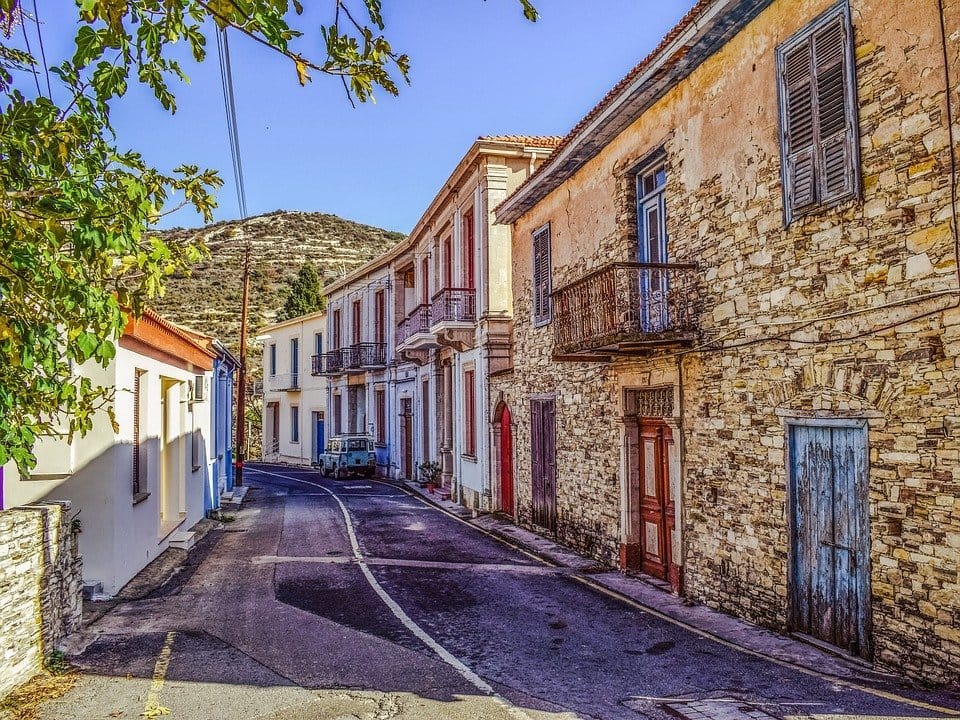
x: 625, y: 306
x: 333, y: 362
x: 363, y: 356
x: 454, y: 305
x: 286, y: 381
x: 418, y: 321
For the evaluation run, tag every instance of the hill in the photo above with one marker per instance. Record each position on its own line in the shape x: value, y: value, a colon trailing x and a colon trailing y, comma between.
x: 209, y: 298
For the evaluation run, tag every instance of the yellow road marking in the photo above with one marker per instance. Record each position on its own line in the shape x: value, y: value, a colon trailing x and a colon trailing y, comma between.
x: 153, y: 708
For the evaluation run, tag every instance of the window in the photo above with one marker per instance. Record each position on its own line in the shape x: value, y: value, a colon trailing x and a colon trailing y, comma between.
x: 468, y: 248
x: 818, y: 116
x: 541, y: 275
x: 336, y: 330
x: 470, y: 410
x: 425, y: 280
x: 447, y: 263
x: 318, y: 343
x: 294, y: 360
x: 294, y: 423
x: 380, y: 316
x: 273, y: 359
x: 651, y: 215
x: 380, y: 400
x: 139, y: 449
x: 337, y: 415
x: 356, y: 322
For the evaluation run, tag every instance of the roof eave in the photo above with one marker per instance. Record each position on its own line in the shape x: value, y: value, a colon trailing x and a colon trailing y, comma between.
x: 706, y: 34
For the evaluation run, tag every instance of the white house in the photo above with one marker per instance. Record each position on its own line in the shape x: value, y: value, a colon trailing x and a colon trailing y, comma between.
x: 140, y: 488
x: 294, y: 398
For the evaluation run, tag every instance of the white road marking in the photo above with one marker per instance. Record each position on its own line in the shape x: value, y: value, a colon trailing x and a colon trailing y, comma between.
x: 398, y: 562
x: 357, y: 487
x: 444, y: 654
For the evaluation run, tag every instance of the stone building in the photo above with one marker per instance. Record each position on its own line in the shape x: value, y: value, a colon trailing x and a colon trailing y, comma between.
x: 736, y: 324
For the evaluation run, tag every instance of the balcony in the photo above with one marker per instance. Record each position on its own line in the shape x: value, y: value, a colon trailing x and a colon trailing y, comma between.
x: 626, y: 308
x: 366, y: 356
x: 288, y: 382
x: 414, y: 330
x: 453, y: 306
x: 333, y: 362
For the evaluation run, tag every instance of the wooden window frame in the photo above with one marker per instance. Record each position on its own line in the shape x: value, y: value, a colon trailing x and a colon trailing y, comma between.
x: 337, y: 330
x: 447, y: 263
x: 318, y: 343
x: 542, y: 277
x: 272, y: 359
x: 294, y: 357
x: 380, y: 317
x: 820, y: 196
x: 356, y: 319
x: 140, y: 463
x: 380, y: 406
x: 469, y: 248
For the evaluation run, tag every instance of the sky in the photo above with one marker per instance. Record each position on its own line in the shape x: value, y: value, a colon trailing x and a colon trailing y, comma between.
x: 478, y: 68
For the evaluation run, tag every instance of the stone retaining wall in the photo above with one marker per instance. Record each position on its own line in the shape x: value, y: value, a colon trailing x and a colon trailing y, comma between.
x: 40, y: 588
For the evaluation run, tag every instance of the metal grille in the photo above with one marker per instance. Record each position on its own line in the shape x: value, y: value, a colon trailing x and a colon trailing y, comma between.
x: 650, y: 402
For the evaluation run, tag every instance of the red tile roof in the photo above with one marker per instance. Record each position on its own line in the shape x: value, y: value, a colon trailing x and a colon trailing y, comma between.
x: 542, y: 141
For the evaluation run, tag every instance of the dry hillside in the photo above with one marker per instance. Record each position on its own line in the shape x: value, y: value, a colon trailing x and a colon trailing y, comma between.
x: 209, y: 298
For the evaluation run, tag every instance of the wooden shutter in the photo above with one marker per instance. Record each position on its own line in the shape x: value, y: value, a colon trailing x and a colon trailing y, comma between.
x: 818, y: 116
x: 799, y: 135
x: 137, y: 485
x: 470, y: 410
x: 468, y: 251
x: 541, y: 276
x: 836, y: 129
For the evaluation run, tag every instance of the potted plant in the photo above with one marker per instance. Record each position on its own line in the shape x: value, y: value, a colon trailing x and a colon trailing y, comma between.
x: 429, y: 474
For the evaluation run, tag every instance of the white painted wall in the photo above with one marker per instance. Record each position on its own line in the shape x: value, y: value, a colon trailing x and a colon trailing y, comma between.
x: 309, y: 398
x: 120, y: 536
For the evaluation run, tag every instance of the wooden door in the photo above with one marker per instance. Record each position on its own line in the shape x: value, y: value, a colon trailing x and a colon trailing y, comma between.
x: 318, y: 436
x: 506, y: 461
x: 275, y: 427
x: 830, y: 535
x: 543, y: 446
x: 657, y: 509
x: 406, y: 430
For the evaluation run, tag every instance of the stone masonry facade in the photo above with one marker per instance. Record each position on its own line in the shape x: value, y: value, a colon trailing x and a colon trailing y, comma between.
x: 40, y: 588
x: 850, y: 312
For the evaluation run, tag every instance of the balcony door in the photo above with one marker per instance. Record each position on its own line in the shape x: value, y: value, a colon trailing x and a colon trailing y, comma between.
x: 652, y: 249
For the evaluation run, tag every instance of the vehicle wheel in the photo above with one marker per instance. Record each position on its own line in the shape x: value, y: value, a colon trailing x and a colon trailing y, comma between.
x: 337, y: 473
x: 323, y: 470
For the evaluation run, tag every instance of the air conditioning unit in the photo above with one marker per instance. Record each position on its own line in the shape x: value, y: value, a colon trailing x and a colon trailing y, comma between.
x: 199, y: 388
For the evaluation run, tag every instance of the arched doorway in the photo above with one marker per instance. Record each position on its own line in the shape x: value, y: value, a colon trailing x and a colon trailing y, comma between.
x: 504, y: 436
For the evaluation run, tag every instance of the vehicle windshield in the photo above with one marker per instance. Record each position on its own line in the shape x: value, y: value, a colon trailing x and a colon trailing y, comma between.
x: 359, y: 444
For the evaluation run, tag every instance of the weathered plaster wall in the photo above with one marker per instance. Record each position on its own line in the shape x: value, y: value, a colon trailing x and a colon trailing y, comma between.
x: 40, y: 588
x: 719, y: 129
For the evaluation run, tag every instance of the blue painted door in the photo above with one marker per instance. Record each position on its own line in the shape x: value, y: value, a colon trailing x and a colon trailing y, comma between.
x: 830, y: 537
x: 318, y: 436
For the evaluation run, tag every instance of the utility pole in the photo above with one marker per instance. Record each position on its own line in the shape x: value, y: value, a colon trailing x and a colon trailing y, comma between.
x: 242, y: 394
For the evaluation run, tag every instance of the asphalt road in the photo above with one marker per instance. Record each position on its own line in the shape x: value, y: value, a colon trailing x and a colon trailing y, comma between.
x: 353, y: 599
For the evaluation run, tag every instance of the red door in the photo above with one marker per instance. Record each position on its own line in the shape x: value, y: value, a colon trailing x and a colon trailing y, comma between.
x: 506, y: 461
x: 656, y: 504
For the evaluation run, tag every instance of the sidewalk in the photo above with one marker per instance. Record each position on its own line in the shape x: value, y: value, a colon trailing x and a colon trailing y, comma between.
x: 650, y: 596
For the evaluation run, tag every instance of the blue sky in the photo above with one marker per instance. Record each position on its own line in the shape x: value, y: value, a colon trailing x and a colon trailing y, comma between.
x: 478, y: 68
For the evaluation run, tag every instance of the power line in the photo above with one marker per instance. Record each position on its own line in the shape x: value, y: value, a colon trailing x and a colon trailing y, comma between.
x: 26, y: 41
x: 43, y: 54
x: 230, y: 108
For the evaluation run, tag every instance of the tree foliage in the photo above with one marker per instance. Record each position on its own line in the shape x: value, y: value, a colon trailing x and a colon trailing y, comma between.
x: 305, y: 294
x: 76, y: 257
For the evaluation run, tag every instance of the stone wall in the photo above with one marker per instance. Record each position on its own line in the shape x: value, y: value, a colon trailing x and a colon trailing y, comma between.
x: 849, y: 312
x: 40, y: 588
